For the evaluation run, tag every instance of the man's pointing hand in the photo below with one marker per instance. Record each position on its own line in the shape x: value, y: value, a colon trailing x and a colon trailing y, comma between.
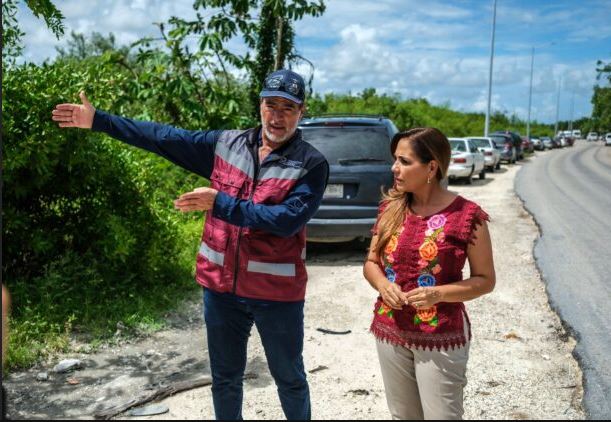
x: 75, y: 115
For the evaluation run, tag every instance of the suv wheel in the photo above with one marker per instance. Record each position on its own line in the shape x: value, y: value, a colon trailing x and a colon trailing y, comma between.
x: 482, y: 174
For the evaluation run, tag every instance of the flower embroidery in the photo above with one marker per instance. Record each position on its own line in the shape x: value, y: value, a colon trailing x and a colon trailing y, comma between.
x: 436, y: 222
x: 428, y: 250
x: 428, y: 315
x: 426, y: 280
x: 385, y: 310
x: 390, y: 273
x: 391, y: 245
x: 426, y: 319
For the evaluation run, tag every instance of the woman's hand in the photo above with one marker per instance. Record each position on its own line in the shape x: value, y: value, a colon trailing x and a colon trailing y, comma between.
x: 423, y: 297
x: 392, y: 295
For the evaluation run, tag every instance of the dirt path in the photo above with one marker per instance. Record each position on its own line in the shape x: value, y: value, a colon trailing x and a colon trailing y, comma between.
x: 520, y: 365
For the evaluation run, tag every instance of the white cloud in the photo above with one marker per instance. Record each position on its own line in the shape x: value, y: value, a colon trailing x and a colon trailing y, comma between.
x: 436, y: 50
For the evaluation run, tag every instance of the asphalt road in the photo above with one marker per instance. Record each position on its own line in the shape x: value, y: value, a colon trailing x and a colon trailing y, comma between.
x: 568, y: 192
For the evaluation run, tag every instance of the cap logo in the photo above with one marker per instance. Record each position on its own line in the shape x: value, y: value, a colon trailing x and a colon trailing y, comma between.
x: 284, y: 83
x: 274, y: 83
x: 293, y: 87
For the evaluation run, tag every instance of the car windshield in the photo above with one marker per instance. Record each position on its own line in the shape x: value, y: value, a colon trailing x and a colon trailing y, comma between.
x: 458, y: 146
x: 481, y: 143
x: 358, y: 145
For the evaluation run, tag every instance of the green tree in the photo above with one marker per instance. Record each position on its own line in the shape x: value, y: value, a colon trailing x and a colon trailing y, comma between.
x: 270, y: 35
x: 12, y: 34
x: 81, y: 47
x: 601, y: 99
x: 417, y: 112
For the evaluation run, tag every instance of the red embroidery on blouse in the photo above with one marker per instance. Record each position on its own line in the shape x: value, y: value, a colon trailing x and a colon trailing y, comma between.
x: 430, y: 251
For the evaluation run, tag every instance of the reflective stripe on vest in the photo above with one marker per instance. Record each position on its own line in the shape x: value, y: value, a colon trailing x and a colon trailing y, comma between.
x: 243, y: 162
x: 211, y: 255
x: 286, y: 270
x: 282, y: 173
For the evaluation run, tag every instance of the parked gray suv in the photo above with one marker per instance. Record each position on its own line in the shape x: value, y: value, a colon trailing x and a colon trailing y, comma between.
x: 357, y: 148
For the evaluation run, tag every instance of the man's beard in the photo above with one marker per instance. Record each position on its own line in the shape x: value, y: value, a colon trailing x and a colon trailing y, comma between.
x: 278, y: 139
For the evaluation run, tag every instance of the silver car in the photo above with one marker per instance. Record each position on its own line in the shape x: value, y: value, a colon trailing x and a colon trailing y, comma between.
x: 492, y: 156
x: 466, y: 160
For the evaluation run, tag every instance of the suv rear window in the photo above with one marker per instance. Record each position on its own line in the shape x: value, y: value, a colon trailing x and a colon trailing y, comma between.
x: 363, y: 143
x: 500, y: 139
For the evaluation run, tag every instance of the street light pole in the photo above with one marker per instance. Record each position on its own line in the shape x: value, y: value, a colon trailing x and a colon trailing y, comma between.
x: 530, y: 91
x: 557, y: 107
x: 572, y: 105
x: 487, y: 125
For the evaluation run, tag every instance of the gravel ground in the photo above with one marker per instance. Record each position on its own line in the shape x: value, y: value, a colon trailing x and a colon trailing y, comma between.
x: 521, y: 364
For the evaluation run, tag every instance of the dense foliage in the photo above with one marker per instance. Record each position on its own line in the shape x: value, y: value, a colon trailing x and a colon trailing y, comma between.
x: 601, y: 100
x: 87, y: 222
x: 418, y: 113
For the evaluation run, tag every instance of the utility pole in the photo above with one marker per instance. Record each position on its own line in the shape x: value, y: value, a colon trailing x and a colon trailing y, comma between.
x: 487, y: 125
x: 571, y: 114
x: 530, y: 91
x: 557, y: 107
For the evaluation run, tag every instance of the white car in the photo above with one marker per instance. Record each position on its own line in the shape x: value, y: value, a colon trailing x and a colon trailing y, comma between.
x: 492, y: 156
x: 466, y: 160
x: 563, y: 142
x: 592, y: 136
x: 608, y: 139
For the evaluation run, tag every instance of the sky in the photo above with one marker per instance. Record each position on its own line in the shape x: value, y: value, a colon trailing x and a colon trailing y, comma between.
x: 434, y: 49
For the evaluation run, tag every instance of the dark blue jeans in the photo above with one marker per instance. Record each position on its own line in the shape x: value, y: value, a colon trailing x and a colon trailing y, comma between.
x: 229, y: 319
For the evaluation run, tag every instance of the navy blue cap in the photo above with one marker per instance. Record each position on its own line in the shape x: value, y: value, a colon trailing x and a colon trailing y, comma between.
x: 286, y: 84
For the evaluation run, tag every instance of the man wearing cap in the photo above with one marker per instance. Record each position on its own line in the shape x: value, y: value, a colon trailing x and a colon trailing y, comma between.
x: 265, y: 184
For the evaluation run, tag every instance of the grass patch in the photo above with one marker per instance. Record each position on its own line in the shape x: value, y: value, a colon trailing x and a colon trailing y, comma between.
x: 35, y: 336
x: 73, y: 301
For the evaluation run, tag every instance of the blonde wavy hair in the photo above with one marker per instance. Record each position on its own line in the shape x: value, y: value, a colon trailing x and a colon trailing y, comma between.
x: 429, y: 144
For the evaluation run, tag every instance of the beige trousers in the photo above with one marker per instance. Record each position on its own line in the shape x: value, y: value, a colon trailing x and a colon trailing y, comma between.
x: 423, y: 384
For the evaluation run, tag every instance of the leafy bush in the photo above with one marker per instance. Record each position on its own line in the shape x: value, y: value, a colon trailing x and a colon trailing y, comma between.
x: 88, y: 236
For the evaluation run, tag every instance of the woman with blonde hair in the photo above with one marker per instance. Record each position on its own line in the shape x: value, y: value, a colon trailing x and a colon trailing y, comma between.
x: 421, y: 240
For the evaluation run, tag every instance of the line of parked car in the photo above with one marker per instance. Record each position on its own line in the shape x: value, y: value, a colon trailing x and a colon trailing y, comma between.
x: 593, y: 136
x: 357, y: 149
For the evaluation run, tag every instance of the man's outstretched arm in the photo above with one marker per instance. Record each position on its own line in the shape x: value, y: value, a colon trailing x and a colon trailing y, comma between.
x: 192, y: 150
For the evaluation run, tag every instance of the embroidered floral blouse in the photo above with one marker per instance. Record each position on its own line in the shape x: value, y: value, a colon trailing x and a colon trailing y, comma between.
x: 428, y: 251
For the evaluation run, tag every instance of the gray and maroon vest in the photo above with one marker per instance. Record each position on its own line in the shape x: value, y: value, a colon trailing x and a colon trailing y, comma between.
x: 244, y: 261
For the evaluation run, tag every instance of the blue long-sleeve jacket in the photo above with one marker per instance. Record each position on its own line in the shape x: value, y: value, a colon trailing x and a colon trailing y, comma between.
x: 194, y: 150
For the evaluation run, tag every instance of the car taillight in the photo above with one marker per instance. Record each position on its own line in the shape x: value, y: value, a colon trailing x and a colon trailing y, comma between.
x: 488, y: 153
x: 460, y: 160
